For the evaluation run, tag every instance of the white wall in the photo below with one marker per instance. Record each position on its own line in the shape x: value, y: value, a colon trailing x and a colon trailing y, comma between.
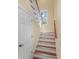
x: 47, y: 5
x: 35, y: 33
x: 57, y: 18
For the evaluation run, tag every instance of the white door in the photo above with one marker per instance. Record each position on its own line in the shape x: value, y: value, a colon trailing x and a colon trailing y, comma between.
x: 24, y: 35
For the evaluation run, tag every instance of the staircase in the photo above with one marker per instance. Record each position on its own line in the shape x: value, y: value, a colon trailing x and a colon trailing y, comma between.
x: 46, y: 48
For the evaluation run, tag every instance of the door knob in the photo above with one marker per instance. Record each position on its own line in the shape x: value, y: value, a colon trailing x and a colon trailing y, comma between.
x: 21, y: 45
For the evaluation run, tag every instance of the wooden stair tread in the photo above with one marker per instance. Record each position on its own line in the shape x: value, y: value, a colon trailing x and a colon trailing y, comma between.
x: 36, y: 58
x: 47, y: 42
x: 47, y: 38
x: 46, y: 50
x: 44, y: 55
x: 46, y: 46
x: 47, y: 35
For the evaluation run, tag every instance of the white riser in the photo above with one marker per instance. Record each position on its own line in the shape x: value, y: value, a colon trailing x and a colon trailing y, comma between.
x: 47, y: 40
x: 47, y: 45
